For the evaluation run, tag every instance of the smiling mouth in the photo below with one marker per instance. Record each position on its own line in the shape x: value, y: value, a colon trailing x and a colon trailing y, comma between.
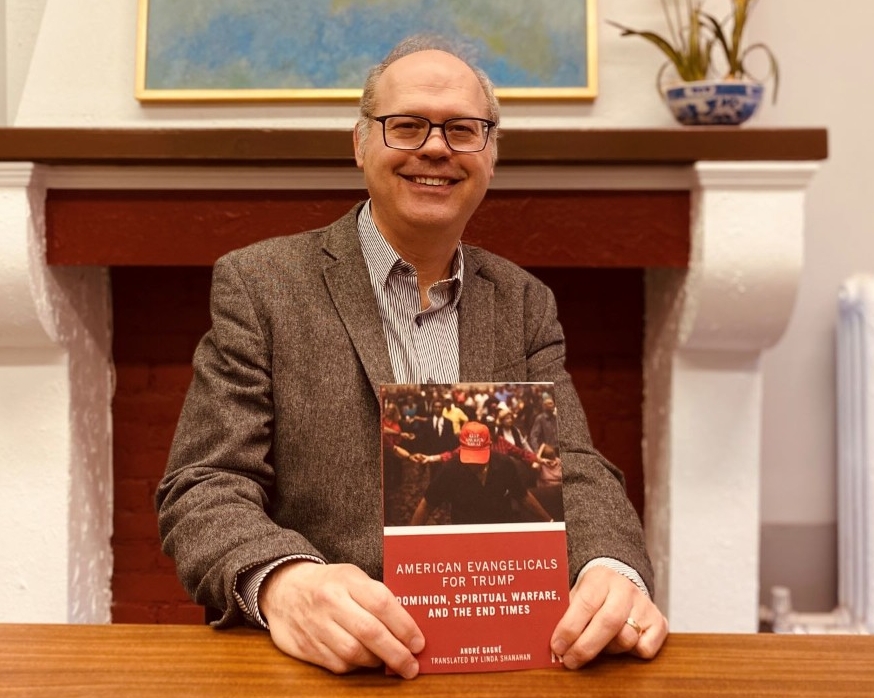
x: 431, y: 181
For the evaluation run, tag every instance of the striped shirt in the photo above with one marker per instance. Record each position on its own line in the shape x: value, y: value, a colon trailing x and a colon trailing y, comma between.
x: 422, y: 344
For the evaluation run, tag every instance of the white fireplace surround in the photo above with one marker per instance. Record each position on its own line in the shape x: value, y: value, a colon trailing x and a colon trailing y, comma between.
x: 706, y: 328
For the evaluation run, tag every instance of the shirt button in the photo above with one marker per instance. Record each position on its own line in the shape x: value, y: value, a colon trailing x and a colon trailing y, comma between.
x: 419, y: 321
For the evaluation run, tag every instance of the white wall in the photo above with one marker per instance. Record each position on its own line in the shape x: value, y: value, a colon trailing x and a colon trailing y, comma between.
x: 828, y: 75
x: 3, y: 71
x: 71, y: 63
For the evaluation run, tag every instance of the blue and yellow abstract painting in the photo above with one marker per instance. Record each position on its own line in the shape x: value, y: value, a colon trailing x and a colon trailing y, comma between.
x: 329, y: 45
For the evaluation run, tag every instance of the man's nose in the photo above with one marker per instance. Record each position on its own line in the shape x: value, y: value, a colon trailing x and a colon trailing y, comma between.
x: 441, y: 139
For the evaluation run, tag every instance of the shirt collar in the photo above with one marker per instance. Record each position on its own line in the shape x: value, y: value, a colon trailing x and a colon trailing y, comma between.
x: 382, y: 259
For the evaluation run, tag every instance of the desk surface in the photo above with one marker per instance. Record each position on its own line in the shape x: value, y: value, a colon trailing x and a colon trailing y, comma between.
x: 167, y: 661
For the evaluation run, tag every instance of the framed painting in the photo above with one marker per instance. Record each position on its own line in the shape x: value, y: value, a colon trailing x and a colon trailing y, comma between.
x: 321, y: 50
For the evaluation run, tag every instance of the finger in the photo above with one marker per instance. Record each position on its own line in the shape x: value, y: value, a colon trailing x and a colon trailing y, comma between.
x: 607, y: 626
x: 654, y: 634
x: 581, y: 608
x: 591, y: 622
x: 387, y: 629
x: 308, y: 643
x: 627, y: 638
x: 341, y: 649
x: 398, y: 621
x: 339, y: 652
x: 604, y: 599
x: 651, y: 631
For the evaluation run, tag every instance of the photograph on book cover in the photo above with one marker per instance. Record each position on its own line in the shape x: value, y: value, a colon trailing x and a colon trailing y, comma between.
x: 262, y: 50
x: 474, y: 536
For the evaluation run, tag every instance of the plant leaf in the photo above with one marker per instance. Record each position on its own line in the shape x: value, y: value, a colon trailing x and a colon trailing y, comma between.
x: 774, y: 69
x: 719, y: 35
x: 675, y: 56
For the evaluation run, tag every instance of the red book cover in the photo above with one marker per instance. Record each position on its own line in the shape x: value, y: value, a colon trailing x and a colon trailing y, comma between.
x: 474, y: 534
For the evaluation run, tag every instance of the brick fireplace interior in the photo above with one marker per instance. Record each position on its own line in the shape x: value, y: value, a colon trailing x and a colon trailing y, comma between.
x: 591, y: 248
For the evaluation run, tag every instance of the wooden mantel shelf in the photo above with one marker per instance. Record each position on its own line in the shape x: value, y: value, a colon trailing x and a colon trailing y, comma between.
x: 251, y: 146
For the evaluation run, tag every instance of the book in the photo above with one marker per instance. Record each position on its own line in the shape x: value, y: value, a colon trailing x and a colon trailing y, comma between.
x: 474, y: 536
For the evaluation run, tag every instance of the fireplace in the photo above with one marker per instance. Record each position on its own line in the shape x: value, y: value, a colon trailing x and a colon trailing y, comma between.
x: 655, y: 256
x: 160, y: 277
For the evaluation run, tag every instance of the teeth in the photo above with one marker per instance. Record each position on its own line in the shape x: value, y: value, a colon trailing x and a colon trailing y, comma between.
x: 431, y: 181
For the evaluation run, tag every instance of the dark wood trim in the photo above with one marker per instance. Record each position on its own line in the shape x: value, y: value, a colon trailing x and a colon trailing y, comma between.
x: 251, y: 146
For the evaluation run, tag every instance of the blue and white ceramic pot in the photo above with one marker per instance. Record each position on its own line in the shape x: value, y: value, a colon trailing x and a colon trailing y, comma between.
x: 713, y: 102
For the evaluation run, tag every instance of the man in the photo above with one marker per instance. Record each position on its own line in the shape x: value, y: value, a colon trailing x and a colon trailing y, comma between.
x: 506, y: 429
x: 435, y: 434
x: 479, y: 484
x: 508, y: 441
x: 544, y: 430
x: 271, y: 501
x: 456, y: 416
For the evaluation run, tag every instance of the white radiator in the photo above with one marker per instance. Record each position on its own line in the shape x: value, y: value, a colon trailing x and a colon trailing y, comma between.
x: 855, y: 423
x: 855, y: 414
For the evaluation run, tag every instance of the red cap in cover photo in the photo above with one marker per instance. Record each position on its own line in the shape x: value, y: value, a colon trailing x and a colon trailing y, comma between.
x: 476, y: 442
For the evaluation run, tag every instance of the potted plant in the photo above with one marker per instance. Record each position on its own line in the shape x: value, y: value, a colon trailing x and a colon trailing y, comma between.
x: 712, y: 82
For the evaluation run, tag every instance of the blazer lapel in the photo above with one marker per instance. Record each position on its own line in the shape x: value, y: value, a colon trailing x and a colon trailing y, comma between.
x: 476, y: 323
x: 348, y: 283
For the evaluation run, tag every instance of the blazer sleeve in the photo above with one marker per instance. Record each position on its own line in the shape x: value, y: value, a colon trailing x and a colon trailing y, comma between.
x: 600, y: 519
x: 212, y: 502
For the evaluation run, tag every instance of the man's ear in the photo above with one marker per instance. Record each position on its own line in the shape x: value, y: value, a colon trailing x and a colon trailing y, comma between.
x: 359, y: 151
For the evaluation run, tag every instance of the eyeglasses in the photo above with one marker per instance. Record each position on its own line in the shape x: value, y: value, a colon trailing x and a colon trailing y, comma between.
x: 408, y: 132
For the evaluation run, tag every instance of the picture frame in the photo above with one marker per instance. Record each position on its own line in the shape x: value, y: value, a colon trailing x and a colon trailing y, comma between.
x: 321, y: 50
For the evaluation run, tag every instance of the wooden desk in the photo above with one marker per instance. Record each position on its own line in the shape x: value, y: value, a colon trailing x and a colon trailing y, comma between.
x: 168, y: 661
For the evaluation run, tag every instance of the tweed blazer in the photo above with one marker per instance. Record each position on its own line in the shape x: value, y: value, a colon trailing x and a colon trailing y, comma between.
x: 277, y: 449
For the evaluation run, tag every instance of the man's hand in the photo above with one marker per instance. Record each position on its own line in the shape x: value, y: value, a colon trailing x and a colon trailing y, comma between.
x: 339, y: 618
x: 604, y: 608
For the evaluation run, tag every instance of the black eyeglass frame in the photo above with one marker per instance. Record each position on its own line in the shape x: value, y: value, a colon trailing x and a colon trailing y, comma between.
x: 431, y: 126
